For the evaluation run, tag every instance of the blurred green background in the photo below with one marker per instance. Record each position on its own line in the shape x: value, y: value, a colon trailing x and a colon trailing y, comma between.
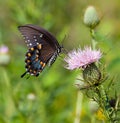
x: 51, y: 97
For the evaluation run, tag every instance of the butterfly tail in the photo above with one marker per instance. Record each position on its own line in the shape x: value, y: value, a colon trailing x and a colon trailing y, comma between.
x: 23, y: 74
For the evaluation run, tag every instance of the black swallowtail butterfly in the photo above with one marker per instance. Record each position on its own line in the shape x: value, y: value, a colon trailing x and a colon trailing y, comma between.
x: 43, y: 48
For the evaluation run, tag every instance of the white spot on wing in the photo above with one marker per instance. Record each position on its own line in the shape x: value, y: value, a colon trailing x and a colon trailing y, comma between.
x: 41, y: 35
x: 35, y: 39
x: 28, y: 40
x: 30, y: 44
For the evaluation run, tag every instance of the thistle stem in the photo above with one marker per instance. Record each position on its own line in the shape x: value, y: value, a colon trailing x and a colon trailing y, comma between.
x: 78, y: 107
x: 103, y: 100
x: 94, y: 42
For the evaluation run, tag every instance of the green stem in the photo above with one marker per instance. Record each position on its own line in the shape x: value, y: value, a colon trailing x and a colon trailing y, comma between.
x: 94, y: 42
x: 78, y: 107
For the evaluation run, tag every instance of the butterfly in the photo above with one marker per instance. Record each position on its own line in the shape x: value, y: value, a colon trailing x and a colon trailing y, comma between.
x: 43, y: 48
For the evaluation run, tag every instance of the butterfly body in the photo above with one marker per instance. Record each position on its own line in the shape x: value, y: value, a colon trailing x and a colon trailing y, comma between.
x: 43, y: 48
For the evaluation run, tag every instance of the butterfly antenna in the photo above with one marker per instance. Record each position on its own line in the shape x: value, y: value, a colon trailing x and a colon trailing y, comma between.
x: 23, y: 74
x: 63, y: 40
x: 62, y: 47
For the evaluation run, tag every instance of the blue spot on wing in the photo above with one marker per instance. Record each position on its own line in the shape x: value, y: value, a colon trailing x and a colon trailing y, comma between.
x: 36, y: 65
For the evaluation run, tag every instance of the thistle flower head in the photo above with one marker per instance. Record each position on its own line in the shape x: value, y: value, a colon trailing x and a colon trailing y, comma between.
x: 81, y: 58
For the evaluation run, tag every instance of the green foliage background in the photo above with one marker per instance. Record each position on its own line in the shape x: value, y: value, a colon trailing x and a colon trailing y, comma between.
x: 55, y: 95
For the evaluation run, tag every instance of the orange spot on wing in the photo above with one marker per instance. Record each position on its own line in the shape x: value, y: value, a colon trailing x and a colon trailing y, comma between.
x: 37, y: 55
x: 34, y: 72
x: 39, y: 46
x: 36, y: 59
x: 43, y: 65
x: 30, y: 70
x: 28, y: 61
x: 32, y: 48
x: 29, y: 54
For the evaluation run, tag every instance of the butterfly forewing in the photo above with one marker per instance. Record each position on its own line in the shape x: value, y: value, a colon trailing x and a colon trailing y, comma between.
x: 43, y: 48
x: 31, y: 36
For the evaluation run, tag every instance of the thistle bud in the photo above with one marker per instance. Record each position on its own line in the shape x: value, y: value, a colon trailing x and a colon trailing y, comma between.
x: 91, y: 74
x: 91, y: 17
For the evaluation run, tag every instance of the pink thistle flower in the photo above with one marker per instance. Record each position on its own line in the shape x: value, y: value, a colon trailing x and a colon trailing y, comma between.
x: 81, y: 58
